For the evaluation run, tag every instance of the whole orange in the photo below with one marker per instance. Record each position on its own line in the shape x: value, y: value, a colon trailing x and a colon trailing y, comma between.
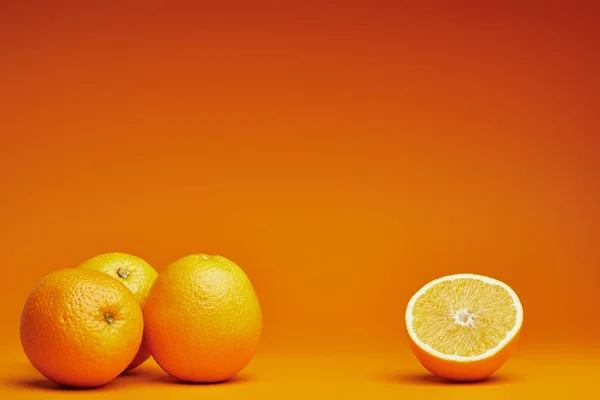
x: 81, y: 328
x: 134, y: 273
x: 203, y: 322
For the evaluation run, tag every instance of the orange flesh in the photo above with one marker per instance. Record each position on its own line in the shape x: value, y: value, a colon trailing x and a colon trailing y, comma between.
x: 464, y: 317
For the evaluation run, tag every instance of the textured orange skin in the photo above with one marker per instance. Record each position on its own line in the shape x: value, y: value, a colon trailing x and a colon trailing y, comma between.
x: 64, y: 332
x: 203, y: 322
x: 464, y: 371
x: 145, y: 276
x: 142, y: 355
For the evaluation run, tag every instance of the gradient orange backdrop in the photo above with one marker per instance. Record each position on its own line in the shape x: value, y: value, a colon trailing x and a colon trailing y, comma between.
x: 342, y: 155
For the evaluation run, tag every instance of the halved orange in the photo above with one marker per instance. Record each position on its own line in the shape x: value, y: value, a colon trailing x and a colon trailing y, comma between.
x: 464, y: 327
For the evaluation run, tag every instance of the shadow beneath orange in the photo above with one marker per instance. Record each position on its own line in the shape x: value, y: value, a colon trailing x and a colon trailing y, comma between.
x: 139, y: 376
x: 236, y: 380
x: 140, y: 373
x: 425, y: 379
x: 126, y: 379
x: 46, y: 385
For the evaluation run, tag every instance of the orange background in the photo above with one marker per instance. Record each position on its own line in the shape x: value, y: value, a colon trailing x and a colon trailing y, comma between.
x: 342, y: 155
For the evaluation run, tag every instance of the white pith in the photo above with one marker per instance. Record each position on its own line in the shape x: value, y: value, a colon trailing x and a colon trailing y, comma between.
x: 461, y: 315
x: 509, y: 336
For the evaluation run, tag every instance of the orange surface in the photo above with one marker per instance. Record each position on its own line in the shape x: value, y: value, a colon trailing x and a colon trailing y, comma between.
x: 342, y: 156
x: 326, y: 375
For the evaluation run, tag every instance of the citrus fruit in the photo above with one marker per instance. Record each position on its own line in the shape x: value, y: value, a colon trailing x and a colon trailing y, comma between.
x: 80, y: 328
x: 203, y: 321
x: 464, y: 327
x: 134, y: 273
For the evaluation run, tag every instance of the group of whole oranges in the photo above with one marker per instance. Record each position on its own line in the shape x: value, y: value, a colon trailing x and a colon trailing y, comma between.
x: 199, y: 318
x: 201, y: 321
